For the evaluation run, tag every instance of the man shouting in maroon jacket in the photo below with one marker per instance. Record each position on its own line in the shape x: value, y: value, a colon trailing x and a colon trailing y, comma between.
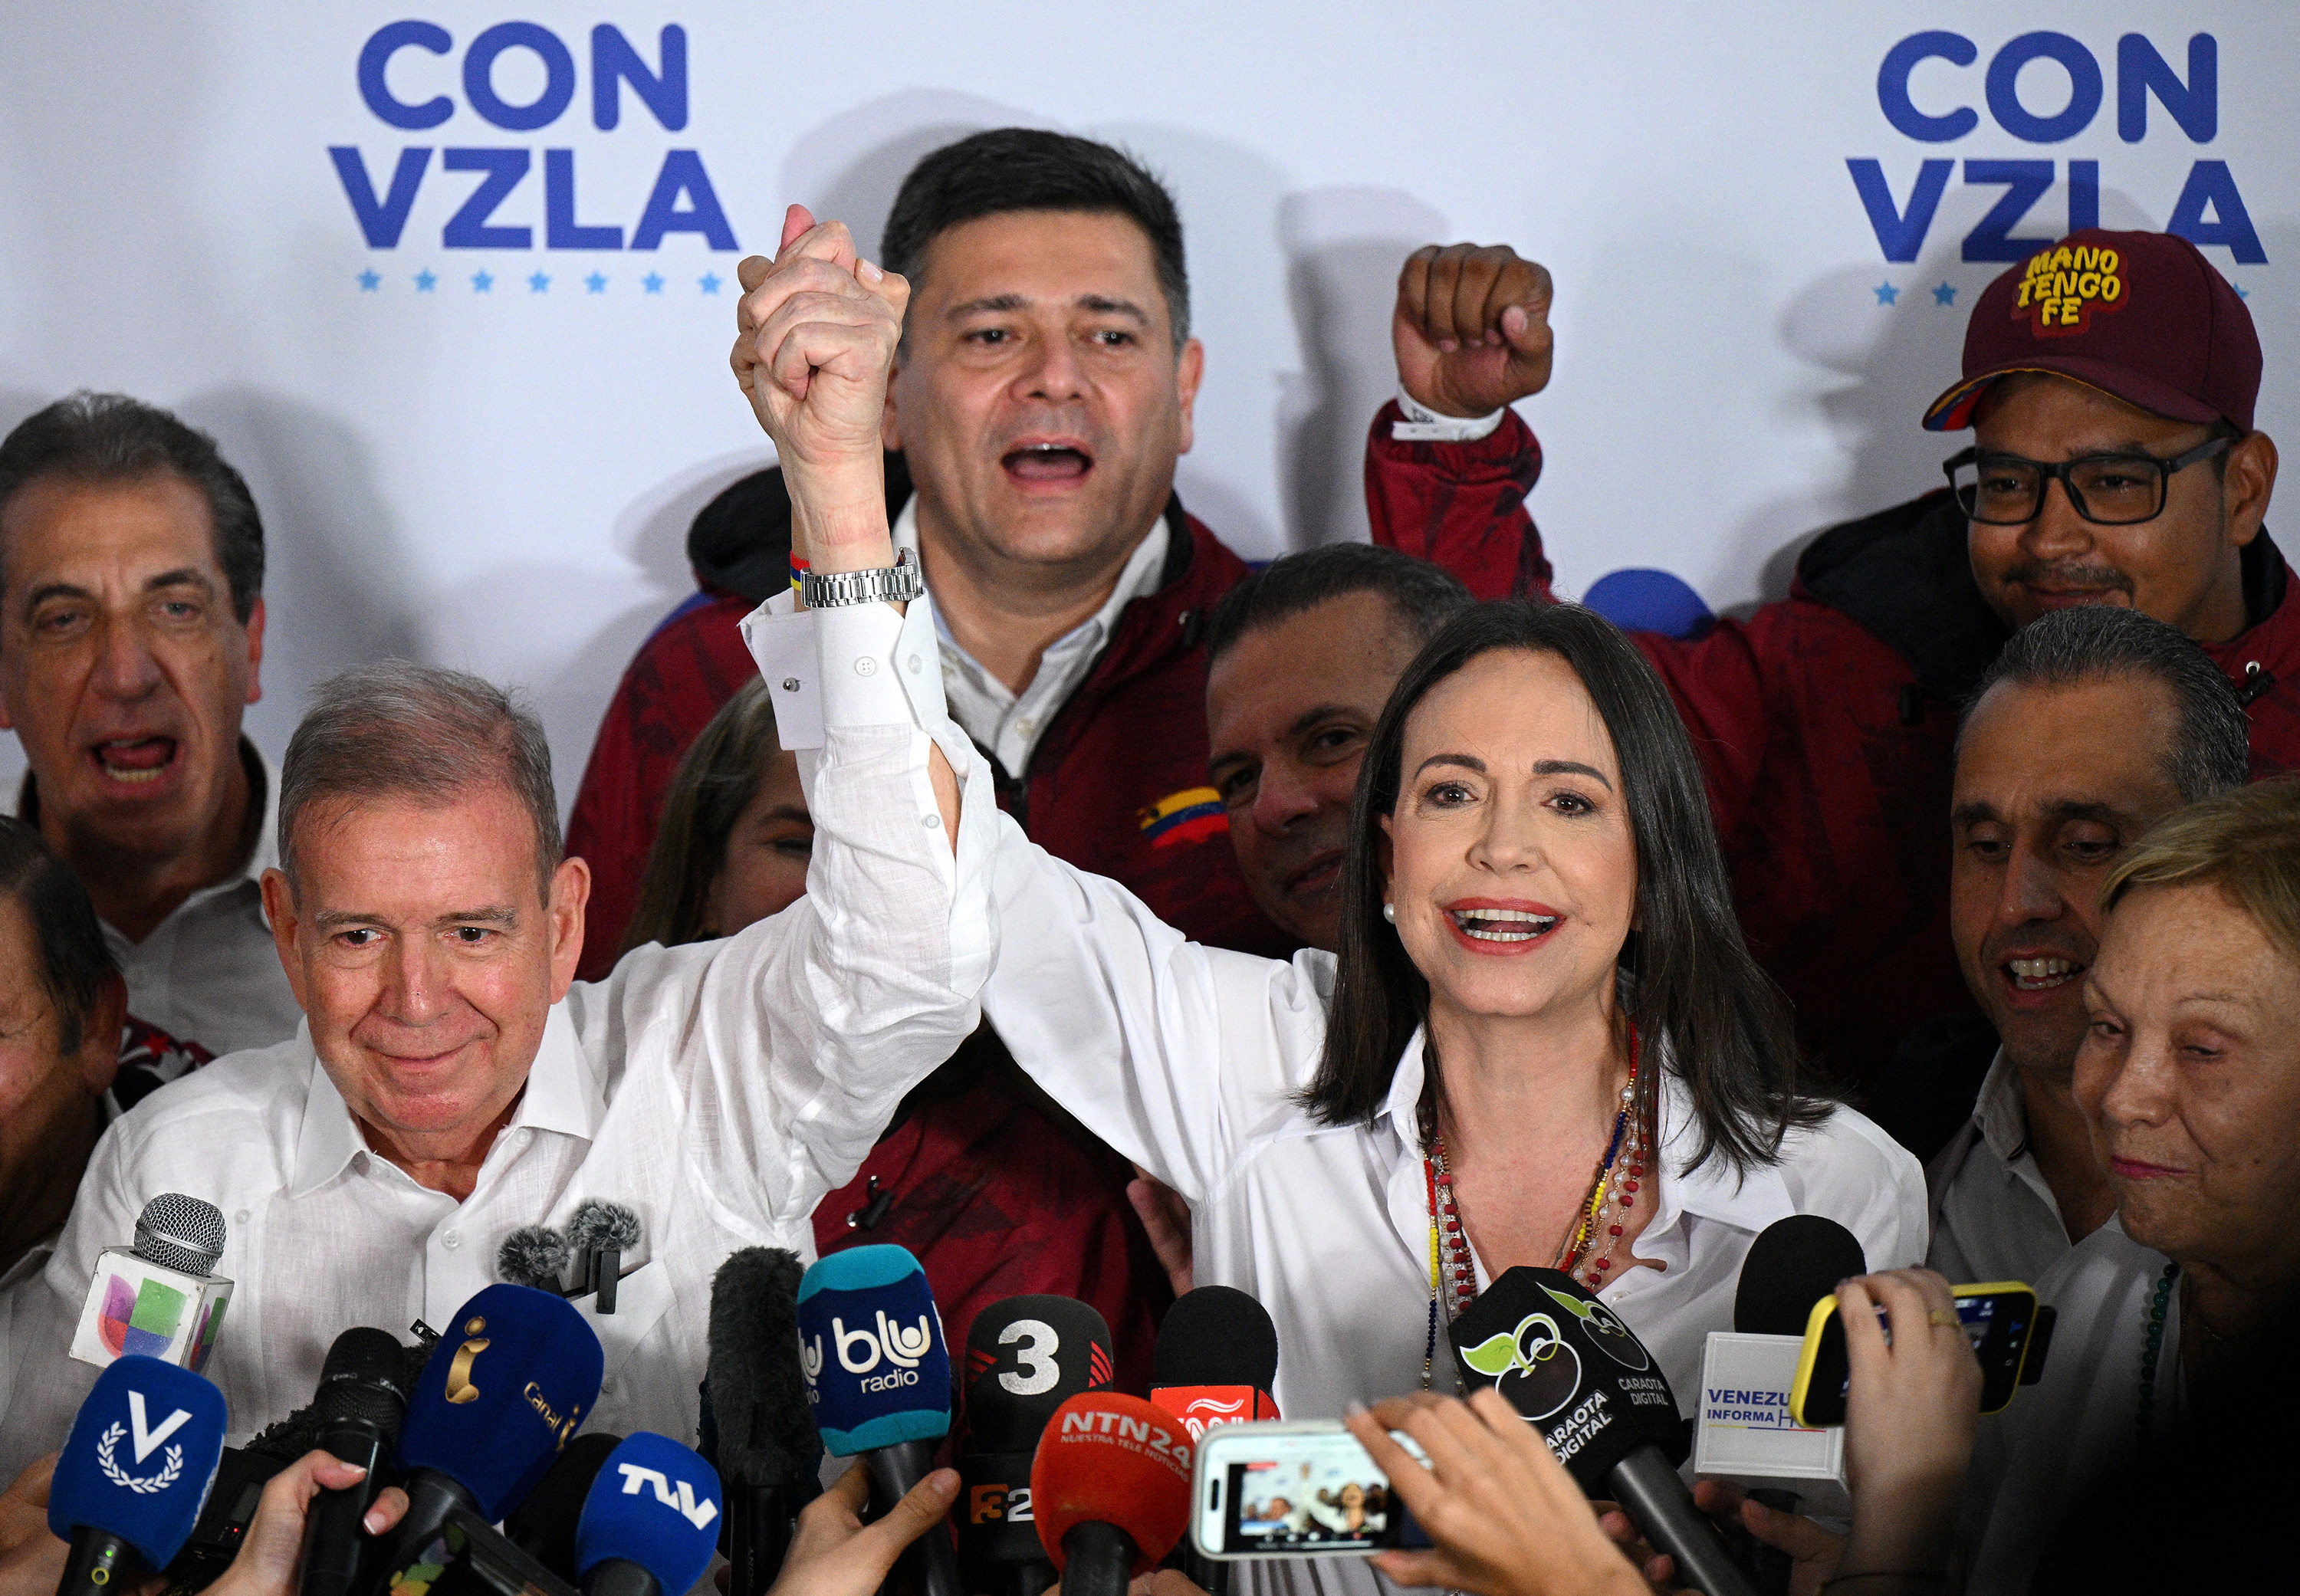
x: 2109, y: 381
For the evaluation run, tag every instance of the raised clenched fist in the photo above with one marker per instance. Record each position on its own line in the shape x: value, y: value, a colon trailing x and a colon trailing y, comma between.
x: 816, y: 331
x: 1471, y: 329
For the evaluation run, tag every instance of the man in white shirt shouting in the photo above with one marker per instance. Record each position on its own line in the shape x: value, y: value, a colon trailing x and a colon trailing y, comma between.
x: 453, y: 1085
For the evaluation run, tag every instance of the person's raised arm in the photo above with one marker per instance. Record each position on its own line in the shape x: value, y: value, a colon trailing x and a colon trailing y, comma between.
x: 1449, y: 466
x: 817, y: 329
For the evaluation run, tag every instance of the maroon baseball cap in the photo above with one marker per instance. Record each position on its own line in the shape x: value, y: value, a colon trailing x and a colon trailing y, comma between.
x: 2141, y: 316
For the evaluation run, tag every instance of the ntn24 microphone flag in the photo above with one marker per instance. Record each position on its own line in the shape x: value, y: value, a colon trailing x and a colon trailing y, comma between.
x: 655, y: 1503
x: 141, y: 1455
x: 872, y: 1347
x: 507, y: 1387
x: 1108, y: 1457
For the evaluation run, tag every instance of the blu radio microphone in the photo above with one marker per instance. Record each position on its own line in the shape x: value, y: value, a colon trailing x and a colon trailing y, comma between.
x: 1581, y: 1377
x: 600, y: 1234
x: 1745, y: 1432
x: 1111, y: 1489
x: 544, y: 1526
x: 360, y: 1404
x: 878, y: 1374
x: 1216, y: 1364
x: 760, y: 1412
x: 1025, y: 1358
x: 651, y: 1522
x: 134, y: 1473
x: 502, y: 1394
x: 158, y: 1299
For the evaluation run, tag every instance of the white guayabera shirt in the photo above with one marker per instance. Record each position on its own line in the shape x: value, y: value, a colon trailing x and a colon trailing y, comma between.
x: 1187, y: 1060
x: 719, y: 1089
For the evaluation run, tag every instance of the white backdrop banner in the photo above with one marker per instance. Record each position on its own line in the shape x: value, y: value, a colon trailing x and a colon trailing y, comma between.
x: 451, y: 280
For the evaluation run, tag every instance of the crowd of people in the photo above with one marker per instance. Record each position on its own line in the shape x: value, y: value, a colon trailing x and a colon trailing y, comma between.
x: 988, y: 859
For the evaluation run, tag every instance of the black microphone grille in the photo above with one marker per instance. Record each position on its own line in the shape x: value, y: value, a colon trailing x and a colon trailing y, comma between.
x: 1793, y: 1264
x: 1216, y: 1336
x: 181, y: 1233
x: 365, y: 1378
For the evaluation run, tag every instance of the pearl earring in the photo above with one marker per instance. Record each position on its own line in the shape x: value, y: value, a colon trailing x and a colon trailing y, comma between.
x: 1389, y: 912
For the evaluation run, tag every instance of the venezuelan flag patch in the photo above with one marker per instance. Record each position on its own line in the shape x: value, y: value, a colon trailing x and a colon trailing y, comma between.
x: 1188, y: 816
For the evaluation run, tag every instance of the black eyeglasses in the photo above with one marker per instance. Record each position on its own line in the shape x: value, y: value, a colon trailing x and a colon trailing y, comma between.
x: 2112, y: 490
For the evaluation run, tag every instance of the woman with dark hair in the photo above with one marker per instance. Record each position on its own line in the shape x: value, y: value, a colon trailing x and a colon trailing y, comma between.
x: 1542, y: 1041
x: 735, y: 836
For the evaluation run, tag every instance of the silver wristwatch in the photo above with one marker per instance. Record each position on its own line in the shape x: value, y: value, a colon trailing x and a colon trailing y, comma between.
x: 894, y: 584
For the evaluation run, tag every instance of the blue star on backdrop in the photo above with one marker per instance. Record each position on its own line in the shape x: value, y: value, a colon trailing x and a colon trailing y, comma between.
x: 483, y: 282
x: 539, y: 282
x: 651, y: 282
x: 2240, y: 293
x: 1944, y: 294
x: 369, y: 280
x: 708, y: 282
x: 597, y: 282
x: 426, y: 280
x: 1886, y: 293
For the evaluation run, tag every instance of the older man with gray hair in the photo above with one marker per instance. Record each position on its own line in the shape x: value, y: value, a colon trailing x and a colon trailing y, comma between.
x: 453, y: 1085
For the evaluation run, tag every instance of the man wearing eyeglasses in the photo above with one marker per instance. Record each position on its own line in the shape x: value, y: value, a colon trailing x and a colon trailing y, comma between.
x: 2109, y: 381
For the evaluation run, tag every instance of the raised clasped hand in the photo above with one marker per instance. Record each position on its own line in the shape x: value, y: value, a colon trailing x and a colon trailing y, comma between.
x: 817, y: 330
x: 1472, y: 328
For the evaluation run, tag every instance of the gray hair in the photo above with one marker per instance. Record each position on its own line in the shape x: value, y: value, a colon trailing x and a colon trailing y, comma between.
x: 2212, y: 744
x: 397, y: 729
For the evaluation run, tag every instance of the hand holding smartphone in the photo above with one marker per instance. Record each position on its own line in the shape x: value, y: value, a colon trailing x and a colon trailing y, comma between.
x: 2009, y: 1332
x: 1295, y: 1488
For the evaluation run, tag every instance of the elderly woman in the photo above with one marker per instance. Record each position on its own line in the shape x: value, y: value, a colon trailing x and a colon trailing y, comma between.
x: 2190, y: 1080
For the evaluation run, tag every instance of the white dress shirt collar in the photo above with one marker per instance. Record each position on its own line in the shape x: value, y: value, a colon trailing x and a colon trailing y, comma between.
x: 561, y: 1095
x: 1010, y: 724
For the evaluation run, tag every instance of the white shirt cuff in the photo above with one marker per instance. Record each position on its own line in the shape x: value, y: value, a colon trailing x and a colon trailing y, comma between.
x: 1420, y: 424
x: 851, y: 665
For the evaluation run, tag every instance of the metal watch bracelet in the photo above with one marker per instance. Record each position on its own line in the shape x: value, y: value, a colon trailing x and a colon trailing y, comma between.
x: 894, y: 584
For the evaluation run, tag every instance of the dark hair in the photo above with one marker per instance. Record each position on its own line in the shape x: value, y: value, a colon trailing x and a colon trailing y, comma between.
x: 1028, y: 169
x: 110, y: 437
x: 719, y: 775
x: 2212, y: 744
x: 75, y: 961
x: 1700, y: 1004
x: 1421, y: 595
x: 396, y: 729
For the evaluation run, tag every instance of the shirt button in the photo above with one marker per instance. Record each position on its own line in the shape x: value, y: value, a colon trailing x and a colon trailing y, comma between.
x: 452, y: 1240
x: 240, y: 1218
x: 915, y: 666
x: 607, y: 1386
x: 790, y: 683
x: 866, y: 666
x: 931, y: 822
x: 1026, y: 726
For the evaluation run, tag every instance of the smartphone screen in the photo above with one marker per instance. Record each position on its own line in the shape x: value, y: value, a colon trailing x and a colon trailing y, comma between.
x: 1997, y: 1320
x: 1285, y: 1489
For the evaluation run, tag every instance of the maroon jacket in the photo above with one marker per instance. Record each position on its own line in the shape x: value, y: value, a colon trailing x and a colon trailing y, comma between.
x: 1826, y: 725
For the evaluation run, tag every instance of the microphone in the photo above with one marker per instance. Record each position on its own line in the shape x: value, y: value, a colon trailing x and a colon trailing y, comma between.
x: 878, y: 1374
x: 1111, y: 1491
x: 500, y: 1394
x: 360, y: 1404
x: 157, y: 1299
x: 600, y: 1234
x: 544, y: 1526
x: 649, y: 1526
x: 1578, y: 1373
x: 1745, y: 1433
x: 1025, y: 1358
x: 534, y: 1255
x: 134, y: 1473
x: 761, y: 1408
x: 1216, y: 1361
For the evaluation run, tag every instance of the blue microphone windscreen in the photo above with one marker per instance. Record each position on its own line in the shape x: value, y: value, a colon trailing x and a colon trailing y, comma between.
x: 656, y: 1503
x: 142, y: 1454
x: 878, y: 1370
x: 507, y: 1386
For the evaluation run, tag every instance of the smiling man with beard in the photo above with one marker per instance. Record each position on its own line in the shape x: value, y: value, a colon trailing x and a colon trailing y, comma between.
x: 131, y: 634
x: 2092, y: 725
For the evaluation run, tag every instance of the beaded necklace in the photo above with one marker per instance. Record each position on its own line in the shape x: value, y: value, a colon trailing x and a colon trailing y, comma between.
x: 1453, y: 1274
x: 2152, y: 1348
